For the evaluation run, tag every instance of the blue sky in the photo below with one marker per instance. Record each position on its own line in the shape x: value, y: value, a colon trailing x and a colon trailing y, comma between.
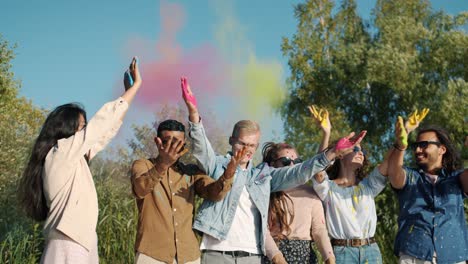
x: 78, y: 50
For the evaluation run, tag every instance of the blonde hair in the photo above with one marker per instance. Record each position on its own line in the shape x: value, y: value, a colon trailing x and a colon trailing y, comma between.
x: 248, y: 125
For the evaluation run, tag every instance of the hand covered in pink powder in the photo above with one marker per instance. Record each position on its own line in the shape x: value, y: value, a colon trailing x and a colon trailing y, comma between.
x: 345, y: 145
x: 187, y: 94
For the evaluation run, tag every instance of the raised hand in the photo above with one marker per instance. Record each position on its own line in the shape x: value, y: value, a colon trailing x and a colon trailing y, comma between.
x: 190, y: 100
x: 187, y: 94
x: 321, y: 116
x: 350, y: 141
x: 346, y: 144
x: 401, y: 135
x: 132, y: 75
x: 414, y: 119
x: 169, y: 152
x: 234, y: 162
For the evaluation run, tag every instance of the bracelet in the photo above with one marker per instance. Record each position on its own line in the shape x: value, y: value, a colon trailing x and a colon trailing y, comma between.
x: 395, y: 145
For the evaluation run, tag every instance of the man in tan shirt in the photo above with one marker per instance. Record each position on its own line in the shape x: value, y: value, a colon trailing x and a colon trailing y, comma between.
x: 165, y: 191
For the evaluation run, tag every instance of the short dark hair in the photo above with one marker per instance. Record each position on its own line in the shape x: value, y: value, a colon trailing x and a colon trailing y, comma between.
x: 170, y: 125
x: 451, y: 160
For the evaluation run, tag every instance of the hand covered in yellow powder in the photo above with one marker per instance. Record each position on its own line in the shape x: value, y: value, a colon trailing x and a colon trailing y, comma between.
x: 401, y: 136
x: 321, y: 116
x: 414, y: 119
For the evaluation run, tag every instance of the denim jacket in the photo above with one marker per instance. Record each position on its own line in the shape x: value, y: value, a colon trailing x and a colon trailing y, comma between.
x: 215, y: 218
x: 432, y: 217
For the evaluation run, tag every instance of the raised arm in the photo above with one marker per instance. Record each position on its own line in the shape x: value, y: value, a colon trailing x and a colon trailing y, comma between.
x: 383, y: 167
x: 103, y: 126
x: 345, y: 145
x: 202, y: 149
x: 396, y: 173
x: 394, y: 165
x: 321, y: 117
x: 190, y: 100
x: 215, y: 190
x: 292, y: 176
x: 132, y: 82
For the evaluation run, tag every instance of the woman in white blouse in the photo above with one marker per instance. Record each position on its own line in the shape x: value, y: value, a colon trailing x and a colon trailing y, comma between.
x: 348, y: 197
x: 57, y: 185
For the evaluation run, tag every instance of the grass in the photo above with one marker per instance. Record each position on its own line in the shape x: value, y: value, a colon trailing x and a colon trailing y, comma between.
x: 22, y: 240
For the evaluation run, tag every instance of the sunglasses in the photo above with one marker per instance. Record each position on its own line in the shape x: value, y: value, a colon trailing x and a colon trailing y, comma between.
x: 356, y: 149
x: 286, y: 161
x: 424, y: 144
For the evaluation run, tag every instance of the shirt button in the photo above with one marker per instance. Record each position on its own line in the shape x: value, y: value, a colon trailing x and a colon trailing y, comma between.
x: 176, y: 224
x: 173, y: 193
x: 170, y: 181
x: 175, y: 209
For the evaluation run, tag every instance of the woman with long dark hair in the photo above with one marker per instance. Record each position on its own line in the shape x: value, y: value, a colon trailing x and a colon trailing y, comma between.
x: 295, y: 217
x: 57, y: 186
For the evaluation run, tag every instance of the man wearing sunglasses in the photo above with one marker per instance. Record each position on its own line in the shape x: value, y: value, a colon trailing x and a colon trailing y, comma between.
x: 432, y: 224
x: 234, y: 228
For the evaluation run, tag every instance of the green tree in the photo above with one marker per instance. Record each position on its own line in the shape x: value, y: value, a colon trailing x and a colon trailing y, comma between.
x: 366, y: 73
x: 20, y: 121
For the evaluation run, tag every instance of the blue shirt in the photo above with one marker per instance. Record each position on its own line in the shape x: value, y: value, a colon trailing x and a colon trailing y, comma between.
x: 432, y: 218
x: 215, y: 218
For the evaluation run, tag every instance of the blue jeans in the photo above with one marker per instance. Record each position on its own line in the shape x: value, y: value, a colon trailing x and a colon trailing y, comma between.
x: 369, y: 254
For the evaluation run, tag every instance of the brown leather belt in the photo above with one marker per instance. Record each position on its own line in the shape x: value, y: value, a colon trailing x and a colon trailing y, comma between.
x: 352, y: 242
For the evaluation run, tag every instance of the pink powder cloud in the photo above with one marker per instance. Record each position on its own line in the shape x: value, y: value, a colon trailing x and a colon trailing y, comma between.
x: 203, y: 65
x: 161, y: 78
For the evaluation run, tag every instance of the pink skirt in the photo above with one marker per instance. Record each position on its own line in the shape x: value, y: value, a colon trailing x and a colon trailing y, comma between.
x: 62, y: 249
